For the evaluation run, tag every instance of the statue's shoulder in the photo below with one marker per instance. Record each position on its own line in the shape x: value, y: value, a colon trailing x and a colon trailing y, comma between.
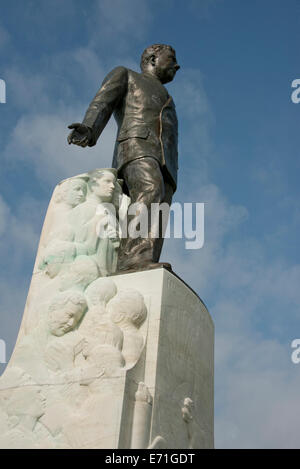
x: 120, y: 69
x: 133, y: 72
x: 125, y: 73
x: 118, y: 73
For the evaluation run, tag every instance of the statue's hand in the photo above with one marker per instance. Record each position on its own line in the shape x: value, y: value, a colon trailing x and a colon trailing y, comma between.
x: 80, y: 134
x: 90, y: 374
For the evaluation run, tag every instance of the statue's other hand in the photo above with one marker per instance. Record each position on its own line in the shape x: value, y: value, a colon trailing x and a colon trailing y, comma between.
x: 80, y: 134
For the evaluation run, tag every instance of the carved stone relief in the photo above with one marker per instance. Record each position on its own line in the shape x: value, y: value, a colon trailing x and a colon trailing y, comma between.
x: 63, y: 372
x: 80, y: 333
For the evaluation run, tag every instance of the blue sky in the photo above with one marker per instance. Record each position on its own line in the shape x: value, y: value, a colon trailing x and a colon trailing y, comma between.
x: 239, y: 153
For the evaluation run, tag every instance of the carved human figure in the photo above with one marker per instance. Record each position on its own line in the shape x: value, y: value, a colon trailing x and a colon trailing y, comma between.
x: 79, y: 274
x: 80, y: 357
x: 58, y: 252
x: 80, y: 224
x: 128, y: 310
x: 76, y: 276
x: 69, y: 193
x: 24, y: 403
x: 193, y: 429
x: 103, y: 360
x: 64, y: 345
x: 40, y: 350
x: 97, y: 325
x: 87, y: 428
x: 100, y: 292
x: 187, y: 410
x: 97, y: 220
x: 104, y: 338
x: 141, y: 417
x: 57, y: 244
x: 65, y: 312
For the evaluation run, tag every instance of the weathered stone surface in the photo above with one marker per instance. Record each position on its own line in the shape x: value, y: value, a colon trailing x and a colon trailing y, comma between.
x: 176, y: 368
x: 132, y: 368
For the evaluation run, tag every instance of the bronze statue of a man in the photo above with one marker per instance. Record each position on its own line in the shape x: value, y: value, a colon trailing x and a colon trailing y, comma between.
x: 145, y: 153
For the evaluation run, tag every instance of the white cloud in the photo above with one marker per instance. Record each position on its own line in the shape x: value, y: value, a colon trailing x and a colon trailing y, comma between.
x: 4, y: 37
x: 119, y: 18
x: 42, y: 141
x: 4, y: 214
x: 196, y: 119
x: 19, y: 234
x: 28, y: 90
x: 257, y: 395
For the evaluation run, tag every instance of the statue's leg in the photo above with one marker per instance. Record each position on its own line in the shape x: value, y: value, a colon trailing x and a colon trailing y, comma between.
x: 163, y: 222
x: 146, y: 186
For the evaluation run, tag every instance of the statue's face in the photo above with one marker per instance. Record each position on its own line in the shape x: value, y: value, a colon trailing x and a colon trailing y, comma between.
x: 166, y: 66
x: 65, y: 319
x: 105, y: 186
x: 76, y: 193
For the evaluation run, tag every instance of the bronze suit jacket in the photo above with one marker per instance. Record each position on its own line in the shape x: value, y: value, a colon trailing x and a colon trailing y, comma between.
x: 146, y: 118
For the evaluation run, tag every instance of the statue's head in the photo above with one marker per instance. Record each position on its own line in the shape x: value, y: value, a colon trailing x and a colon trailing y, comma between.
x: 100, y: 291
x: 65, y: 312
x: 160, y: 61
x: 72, y: 192
x: 103, y: 184
x: 127, y: 306
x: 79, y: 274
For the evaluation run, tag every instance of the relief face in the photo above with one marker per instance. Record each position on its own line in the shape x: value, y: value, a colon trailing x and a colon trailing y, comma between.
x: 65, y: 312
x: 103, y: 187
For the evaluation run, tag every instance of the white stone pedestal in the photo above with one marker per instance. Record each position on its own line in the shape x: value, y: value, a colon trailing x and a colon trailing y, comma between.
x: 159, y: 396
x: 174, y: 407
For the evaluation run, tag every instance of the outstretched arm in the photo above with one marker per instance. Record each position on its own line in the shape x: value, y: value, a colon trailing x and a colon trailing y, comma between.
x: 113, y: 89
x: 80, y: 134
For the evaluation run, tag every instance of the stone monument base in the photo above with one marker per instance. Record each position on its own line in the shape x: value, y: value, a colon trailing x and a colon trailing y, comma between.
x: 161, y: 396
x: 168, y: 400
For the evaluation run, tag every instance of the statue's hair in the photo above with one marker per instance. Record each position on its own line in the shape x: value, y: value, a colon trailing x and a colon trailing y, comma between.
x: 98, y: 174
x: 64, y: 298
x: 102, y: 289
x: 83, y: 270
x: 155, y: 49
x: 64, y: 187
x: 127, y: 304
